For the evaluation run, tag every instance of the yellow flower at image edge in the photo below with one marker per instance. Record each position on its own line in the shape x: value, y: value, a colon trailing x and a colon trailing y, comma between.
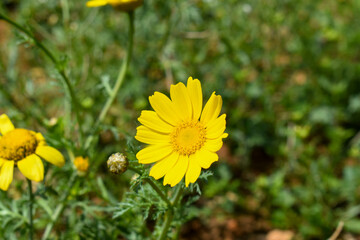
x: 183, y: 138
x: 123, y: 5
x: 23, y: 148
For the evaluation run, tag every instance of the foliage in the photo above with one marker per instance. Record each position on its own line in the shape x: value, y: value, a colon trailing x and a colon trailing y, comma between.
x: 287, y: 71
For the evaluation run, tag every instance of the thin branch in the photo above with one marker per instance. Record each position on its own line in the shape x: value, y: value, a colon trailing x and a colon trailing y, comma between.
x: 337, y: 232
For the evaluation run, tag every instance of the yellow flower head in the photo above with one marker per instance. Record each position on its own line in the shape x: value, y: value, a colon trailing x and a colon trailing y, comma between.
x: 23, y: 148
x: 182, y: 137
x: 81, y: 164
x: 123, y: 5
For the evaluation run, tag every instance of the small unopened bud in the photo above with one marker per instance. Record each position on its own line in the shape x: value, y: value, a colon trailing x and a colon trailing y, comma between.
x: 117, y: 163
x: 81, y: 164
x: 135, y: 177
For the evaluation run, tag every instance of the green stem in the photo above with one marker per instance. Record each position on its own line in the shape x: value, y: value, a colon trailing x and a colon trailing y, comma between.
x: 158, y: 191
x: 57, y: 66
x: 118, y: 83
x: 169, y: 216
x: 154, y: 186
x: 60, y: 207
x: 65, y: 11
x: 31, y: 201
x: 168, y: 219
x: 177, y: 195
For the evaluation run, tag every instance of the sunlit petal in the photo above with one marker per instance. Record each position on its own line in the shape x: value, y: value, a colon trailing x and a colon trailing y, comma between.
x: 182, y: 103
x: 96, y: 3
x: 195, y: 93
x: 6, y: 175
x: 5, y: 124
x: 193, y: 171
x: 51, y: 155
x: 146, y: 135
x: 205, y: 158
x: 212, y: 109
x: 216, y: 128
x: 32, y: 168
x: 177, y: 172
x: 151, y: 120
x: 164, y: 165
x: 164, y: 107
x: 154, y: 153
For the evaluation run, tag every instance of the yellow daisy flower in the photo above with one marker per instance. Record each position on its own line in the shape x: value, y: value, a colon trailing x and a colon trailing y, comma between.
x: 23, y: 148
x: 182, y: 137
x: 123, y: 5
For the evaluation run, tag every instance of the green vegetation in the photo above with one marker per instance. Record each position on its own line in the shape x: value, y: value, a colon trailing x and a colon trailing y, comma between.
x: 289, y: 75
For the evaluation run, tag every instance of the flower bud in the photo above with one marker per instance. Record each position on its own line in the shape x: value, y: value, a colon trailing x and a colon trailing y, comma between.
x: 81, y: 164
x: 117, y: 163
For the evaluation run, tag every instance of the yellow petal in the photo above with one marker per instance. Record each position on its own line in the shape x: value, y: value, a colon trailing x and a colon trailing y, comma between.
x: 96, y: 3
x: 182, y: 103
x: 51, y: 155
x: 146, y: 135
x: 212, y: 109
x: 164, y: 165
x: 151, y: 120
x: 205, y: 158
x: 6, y: 175
x: 32, y: 168
x: 164, y: 107
x: 153, y: 153
x: 5, y: 124
x: 213, y: 145
x: 176, y: 173
x: 40, y: 139
x: 193, y: 171
x: 216, y: 128
x: 195, y: 93
x: 2, y: 161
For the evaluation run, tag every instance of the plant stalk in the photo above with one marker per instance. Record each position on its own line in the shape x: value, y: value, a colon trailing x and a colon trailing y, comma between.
x: 170, y: 213
x: 118, y: 83
x: 59, y: 208
x: 167, y: 223
x: 31, y: 201
x: 154, y: 186
x: 57, y: 66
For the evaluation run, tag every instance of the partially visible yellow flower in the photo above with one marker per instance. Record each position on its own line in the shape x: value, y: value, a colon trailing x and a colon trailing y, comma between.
x: 81, y: 164
x: 123, y: 5
x: 183, y: 138
x: 23, y: 148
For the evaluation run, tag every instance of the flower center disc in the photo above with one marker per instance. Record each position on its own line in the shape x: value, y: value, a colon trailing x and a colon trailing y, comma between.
x: 188, y: 138
x: 17, y: 144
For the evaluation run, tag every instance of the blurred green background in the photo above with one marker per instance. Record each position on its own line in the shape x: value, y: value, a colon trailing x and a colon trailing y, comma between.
x: 289, y: 75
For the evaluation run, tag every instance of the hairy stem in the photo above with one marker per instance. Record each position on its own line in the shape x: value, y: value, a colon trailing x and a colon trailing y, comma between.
x: 167, y: 223
x: 177, y: 195
x: 169, y: 216
x: 154, y: 186
x: 158, y: 191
